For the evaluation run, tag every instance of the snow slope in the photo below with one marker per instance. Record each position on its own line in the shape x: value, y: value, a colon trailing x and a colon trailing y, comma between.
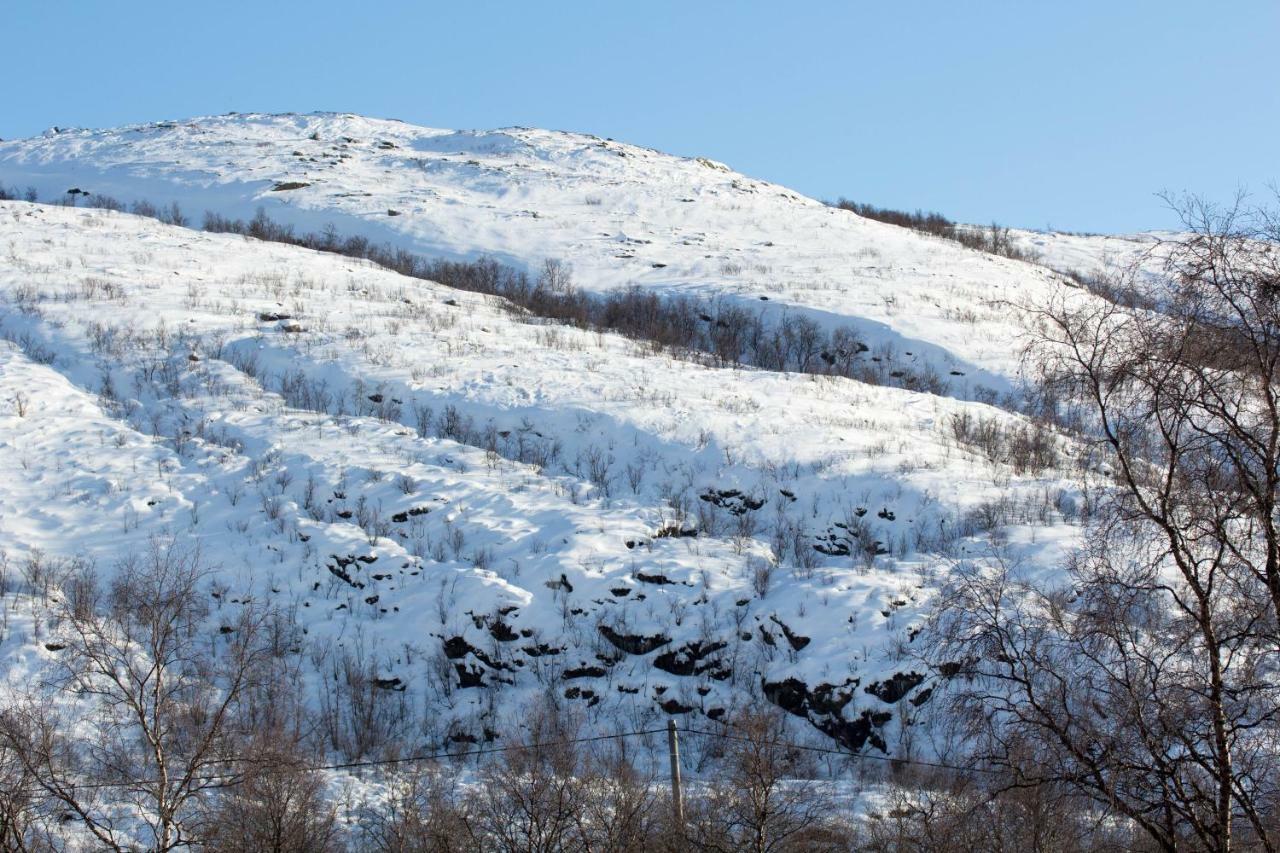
x: 476, y: 508
x: 1090, y: 255
x: 618, y: 213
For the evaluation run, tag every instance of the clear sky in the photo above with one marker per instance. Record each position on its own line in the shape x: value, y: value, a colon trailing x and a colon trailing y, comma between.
x: 1033, y: 113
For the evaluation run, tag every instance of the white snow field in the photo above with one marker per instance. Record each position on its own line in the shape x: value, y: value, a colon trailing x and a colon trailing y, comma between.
x: 620, y: 214
x: 481, y: 508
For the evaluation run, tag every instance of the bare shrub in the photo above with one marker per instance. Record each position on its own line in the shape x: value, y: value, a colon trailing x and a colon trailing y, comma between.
x: 279, y: 804
x: 763, y: 798
x: 159, y: 703
x: 419, y: 814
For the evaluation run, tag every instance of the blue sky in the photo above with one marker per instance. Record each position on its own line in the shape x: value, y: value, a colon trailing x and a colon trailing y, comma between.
x: 1071, y: 115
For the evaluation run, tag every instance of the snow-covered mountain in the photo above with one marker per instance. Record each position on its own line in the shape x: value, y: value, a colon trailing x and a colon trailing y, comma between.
x: 479, y: 507
x: 618, y: 213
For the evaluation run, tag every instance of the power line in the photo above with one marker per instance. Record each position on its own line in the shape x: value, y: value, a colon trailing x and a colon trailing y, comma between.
x: 352, y: 765
x: 844, y: 752
x: 438, y: 756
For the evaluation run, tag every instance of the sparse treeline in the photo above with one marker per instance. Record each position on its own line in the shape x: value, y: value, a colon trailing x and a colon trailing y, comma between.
x: 994, y: 239
x: 722, y: 332
x: 716, y: 331
x: 18, y: 194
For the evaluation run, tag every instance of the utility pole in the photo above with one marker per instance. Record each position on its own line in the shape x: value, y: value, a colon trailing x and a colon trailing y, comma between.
x: 677, y: 801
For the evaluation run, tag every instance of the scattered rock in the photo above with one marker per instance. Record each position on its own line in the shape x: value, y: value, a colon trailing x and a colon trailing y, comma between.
x: 634, y: 644
x: 896, y: 687
x: 688, y: 659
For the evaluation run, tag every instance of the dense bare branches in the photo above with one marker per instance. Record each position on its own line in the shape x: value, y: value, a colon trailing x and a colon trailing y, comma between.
x: 157, y: 701
x: 279, y: 805
x: 1148, y: 681
x: 765, y: 798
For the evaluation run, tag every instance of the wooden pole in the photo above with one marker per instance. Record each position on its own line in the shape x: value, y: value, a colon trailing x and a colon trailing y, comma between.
x: 677, y: 801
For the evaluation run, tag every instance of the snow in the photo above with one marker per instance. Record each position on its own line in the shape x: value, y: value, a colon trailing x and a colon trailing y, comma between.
x: 620, y: 214
x: 208, y: 450
x: 149, y: 388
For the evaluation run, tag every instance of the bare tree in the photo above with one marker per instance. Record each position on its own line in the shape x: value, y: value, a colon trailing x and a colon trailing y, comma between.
x: 419, y: 814
x: 152, y: 721
x: 931, y: 812
x: 1147, y: 681
x: 1183, y: 397
x: 22, y: 826
x: 765, y: 799
x: 620, y: 810
x: 278, y: 806
x: 530, y: 800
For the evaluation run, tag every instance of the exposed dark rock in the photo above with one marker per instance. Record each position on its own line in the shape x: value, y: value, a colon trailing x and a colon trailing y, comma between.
x: 732, y: 501
x: 823, y: 706
x: 832, y: 546
x: 456, y: 647
x: 502, y: 632
x: 687, y: 660
x: 469, y: 676
x: 795, y: 697
x: 402, y: 517
x: 797, y: 641
x: 339, y: 571
x: 562, y: 583
x: 896, y: 687
x: 392, y: 683
x: 634, y: 644
x: 584, y: 672
x: 854, y: 734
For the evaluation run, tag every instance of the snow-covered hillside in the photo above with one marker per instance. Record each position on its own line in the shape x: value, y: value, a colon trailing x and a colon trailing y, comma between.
x: 618, y: 213
x: 477, y: 508
x: 1089, y: 255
